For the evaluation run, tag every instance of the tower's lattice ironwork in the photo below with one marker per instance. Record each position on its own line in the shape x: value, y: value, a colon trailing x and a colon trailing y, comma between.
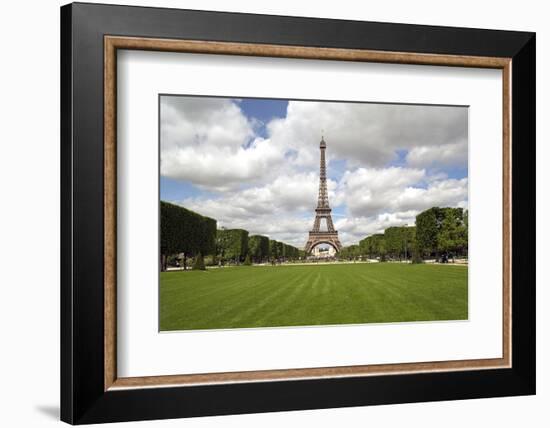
x: 323, y: 211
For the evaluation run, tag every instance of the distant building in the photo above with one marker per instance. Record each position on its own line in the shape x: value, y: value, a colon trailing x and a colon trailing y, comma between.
x: 323, y: 252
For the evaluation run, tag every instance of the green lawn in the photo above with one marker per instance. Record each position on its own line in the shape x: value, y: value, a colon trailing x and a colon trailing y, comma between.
x: 262, y: 296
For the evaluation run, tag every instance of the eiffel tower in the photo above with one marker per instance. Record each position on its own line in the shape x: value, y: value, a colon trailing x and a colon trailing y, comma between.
x: 316, y: 236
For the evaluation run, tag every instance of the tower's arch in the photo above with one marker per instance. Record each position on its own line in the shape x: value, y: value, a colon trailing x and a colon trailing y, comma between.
x: 330, y: 244
x: 328, y: 239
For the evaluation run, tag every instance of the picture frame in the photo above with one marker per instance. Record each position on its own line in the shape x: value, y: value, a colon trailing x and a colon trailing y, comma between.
x: 91, y: 391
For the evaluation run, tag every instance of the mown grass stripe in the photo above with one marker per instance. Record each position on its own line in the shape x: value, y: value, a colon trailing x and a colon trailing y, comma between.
x: 312, y: 295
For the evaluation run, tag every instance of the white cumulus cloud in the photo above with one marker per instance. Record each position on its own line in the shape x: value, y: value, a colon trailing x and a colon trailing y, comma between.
x: 392, y: 162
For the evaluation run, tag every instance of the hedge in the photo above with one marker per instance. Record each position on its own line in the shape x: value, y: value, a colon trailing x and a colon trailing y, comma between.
x: 184, y: 231
x: 279, y: 246
x: 290, y: 252
x: 232, y: 244
x: 273, y: 249
x: 258, y: 247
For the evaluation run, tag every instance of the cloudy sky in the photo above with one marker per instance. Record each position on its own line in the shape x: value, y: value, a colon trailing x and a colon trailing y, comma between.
x: 254, y: 163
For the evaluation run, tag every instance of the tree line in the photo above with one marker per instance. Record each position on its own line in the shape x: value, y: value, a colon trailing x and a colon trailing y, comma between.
x: 238, y: 246
x: 440, y: 233
x: 197, y: 236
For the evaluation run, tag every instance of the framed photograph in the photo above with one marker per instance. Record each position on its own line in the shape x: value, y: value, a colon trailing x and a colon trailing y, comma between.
x: 265, y: 213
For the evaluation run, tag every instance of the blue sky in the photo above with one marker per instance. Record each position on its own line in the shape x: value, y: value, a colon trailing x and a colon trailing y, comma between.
x: 263, y: 110
x: 253, y: 163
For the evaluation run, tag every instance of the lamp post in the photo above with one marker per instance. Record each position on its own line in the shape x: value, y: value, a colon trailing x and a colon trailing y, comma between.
x: 406, y: 255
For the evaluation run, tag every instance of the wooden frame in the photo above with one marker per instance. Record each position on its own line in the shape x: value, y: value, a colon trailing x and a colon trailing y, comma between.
x: 516, y: 321
x: 112, y: 43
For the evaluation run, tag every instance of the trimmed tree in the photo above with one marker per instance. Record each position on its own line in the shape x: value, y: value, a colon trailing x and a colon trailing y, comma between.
x: 199, y: 263
x: 273, y: 249
x: 279, y: 248
x: 232, y: 244
x: 258, y: 247
x: 185, y: 231
x: 289, y: 252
